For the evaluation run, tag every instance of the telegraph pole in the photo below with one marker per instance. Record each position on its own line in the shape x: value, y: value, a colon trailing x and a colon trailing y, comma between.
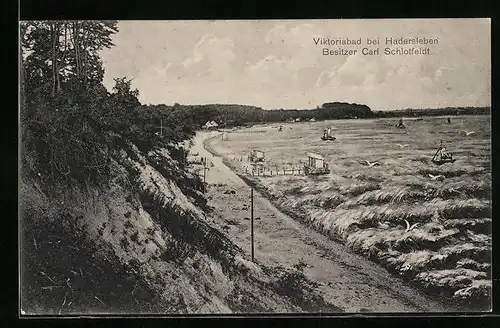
x: 205, y: 169
x: 204, y: 177
x: 251, y: 216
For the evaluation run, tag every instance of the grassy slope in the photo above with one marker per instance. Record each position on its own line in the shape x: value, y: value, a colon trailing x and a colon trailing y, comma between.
x: 141, y: 245
x: 449, y: 252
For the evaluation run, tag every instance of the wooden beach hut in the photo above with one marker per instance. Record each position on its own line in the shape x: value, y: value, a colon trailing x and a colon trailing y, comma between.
x: 316, y: 165
x: 256, y: 155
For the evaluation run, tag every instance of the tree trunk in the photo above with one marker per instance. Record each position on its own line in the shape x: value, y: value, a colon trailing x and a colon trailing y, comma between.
x: 22, y: 78
x: 63, y: 59
x: 56, y: 63
x: 76, y: 41
x: 53, y: 39
x: 84, y: 52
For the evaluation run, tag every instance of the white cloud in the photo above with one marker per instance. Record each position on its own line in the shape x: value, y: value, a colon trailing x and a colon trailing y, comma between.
x: 217, y: 52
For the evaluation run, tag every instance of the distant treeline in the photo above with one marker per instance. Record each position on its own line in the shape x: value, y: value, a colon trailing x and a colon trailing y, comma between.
x: 229, y: 115
x: 448, y: 111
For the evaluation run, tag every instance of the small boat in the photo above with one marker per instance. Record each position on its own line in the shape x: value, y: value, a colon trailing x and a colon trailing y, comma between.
x: 327, y: 136
x: 400, y: 124
x: 443, y: 161
x: 442, y: 156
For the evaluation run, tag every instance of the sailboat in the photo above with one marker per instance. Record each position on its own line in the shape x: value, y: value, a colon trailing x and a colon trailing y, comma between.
x: 400, y: 124
x: 327, y: 135
x: 442, y: 156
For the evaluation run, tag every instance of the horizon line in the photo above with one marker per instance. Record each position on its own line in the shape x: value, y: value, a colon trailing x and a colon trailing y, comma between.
x: 318, y: 107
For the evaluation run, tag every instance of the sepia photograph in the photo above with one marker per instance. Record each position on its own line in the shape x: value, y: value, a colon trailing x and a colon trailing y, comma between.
x: 245, y: 167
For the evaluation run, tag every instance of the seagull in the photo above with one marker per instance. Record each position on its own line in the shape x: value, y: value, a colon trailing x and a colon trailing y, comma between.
x: 384, y: 225
x: 467, y: 133
x: 436, y: 177
x: 403, y: 146
x: 371, y: 164
x: 410, y: 228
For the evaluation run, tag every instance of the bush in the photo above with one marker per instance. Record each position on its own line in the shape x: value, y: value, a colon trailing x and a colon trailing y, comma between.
x: 293, y: 282
x: 65, y: 144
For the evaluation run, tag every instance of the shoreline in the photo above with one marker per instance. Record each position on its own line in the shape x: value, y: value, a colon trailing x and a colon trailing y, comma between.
x: 238, y: 129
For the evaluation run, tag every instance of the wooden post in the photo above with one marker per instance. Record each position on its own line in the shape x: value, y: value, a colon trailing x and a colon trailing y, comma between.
x: 251, y: 218
x: 204, y: 176
x: 205, y: 168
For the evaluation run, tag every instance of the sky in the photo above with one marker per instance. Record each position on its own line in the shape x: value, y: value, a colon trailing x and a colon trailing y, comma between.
x: 276, y: 63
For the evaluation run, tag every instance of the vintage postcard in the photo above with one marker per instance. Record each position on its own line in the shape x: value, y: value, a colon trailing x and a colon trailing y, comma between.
x: 255, y: 167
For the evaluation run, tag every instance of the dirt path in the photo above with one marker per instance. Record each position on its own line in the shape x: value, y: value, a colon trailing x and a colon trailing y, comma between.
x: 346, y: 279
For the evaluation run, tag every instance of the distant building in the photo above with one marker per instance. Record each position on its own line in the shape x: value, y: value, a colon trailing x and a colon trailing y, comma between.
x: 210, y: 125
x: 256, y: 155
